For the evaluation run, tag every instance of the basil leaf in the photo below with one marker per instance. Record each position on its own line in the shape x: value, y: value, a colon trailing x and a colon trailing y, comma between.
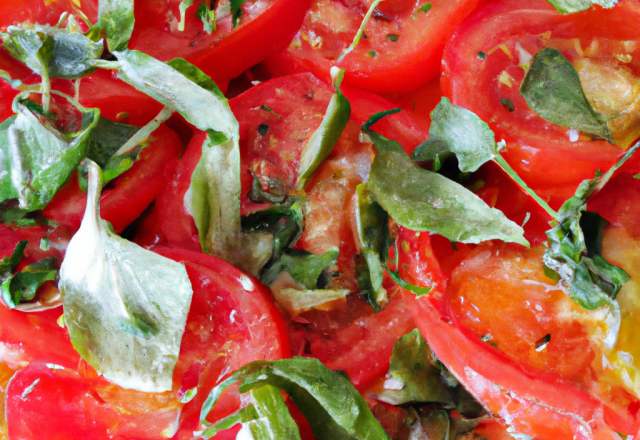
x: 125, y: 307
x: 236, y: 10
x: 42, y: 158
x: 51, y: 51
x: 8, y: 265
x: 373, y: 234
x: 7, y: 190
x: 207, y: 16
x: 22, y: 286
x: 106, y: 139
x: 571, y: 6
x: 297, y: 301
x: 424, y: 201
x: 117, y: 19
x: 457, y: 130
x: 553, y: 90
x: 304, y: 267
x: 214, y: 194
x: 325, y: 137
x: 332, y: 406
x: 413, y: 375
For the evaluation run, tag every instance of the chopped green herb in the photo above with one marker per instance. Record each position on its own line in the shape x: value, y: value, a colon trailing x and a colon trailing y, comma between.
x: 482, y: 56
x: 266, y: 108
x: 424, y: 9
x: 207, y: 16
x: 392, y: 37
x: 372, y: 53
x: 571, y: 6
x: 508, y: 104
x: 263, y: 129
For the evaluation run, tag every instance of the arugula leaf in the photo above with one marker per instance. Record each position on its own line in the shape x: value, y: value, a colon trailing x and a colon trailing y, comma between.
x: 321, y: 143
x: 41, y: 157
x: 414, y: 377
x: 304, y: 267
x: 421, y: 200
x: 22, y: 287
x: 553, y: 90
x: 457, y: 130
x: 571, y: 6
x: 117, y: 19
x: 332, y: 406
x: 373, y: 235
x: 125, y: 307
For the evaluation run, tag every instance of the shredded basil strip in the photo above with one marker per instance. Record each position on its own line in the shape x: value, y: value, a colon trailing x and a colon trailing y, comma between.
x: 571, y: 6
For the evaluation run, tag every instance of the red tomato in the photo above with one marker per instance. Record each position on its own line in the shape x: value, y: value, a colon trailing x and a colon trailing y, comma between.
x: 266, y: 26
x: 542, y: 153
x: 401, y: 50
x: 247, y: 327
x: 124, y: 199
x: 232, y: 321
x: 36, y: 11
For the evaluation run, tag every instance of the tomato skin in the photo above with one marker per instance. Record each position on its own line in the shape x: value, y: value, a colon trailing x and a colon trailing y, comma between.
x: 533, y: 402
x: 132, y: 192
x: 225, y: 53
x: 539, y: 151
x: 400, y: 66
x: 248, y: 328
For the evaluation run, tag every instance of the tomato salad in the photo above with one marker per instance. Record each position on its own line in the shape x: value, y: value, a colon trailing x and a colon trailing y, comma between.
x: 319, y: 219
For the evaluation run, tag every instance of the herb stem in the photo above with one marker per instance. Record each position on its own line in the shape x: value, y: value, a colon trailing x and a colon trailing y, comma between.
x: 510, y: 171
x: 104, y: 64
x: 143, y: 134
x: 360, y: 32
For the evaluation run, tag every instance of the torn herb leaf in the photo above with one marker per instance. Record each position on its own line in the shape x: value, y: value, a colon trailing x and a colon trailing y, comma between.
x: 207, y: 16
x: 41, y: 157
x: 553, y: 90
x: 265, y: 418
x: 413, y: 375
x: 373, y: 235
x: 421, y: 200
x: 322, y: 141
x: 117, y: 19
x: 459, y: 131
x: 304, y: 267
x: 182, y: 7
x: 571, y: 6
x: 236, y: 10
x: 21, y: 287
x: 331, y: 405
x: 125, y: 307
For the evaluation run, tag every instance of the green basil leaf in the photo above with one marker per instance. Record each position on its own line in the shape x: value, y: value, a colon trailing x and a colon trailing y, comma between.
x: 571, y: 6
x: 214, y: 195
x: 333, y: 407
x: 7, y: 190
x: 553, y: 90
x: 8, y: 265
x: 459, y: 131
x: 304, y: 267
x: 236, y: 10
x: 125, y: 307
x: 117, y: 19
x: 51, y: 51
x: 182, y: 7
x: 106, y: 139
x: 413, y: 375
x: 322, y: 140
x: 22, y: 286
x: 297, y: 301
x: 42, y: 158
x: 373, y: 234
x: 421, y: 200
x: 207, y: 16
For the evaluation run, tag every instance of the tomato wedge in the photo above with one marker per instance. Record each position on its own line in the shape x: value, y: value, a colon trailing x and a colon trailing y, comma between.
x: 401, y: 51
x: 124, y: 199
x: 265, y: 27
x: 232, y: 321
x: 506, y: 33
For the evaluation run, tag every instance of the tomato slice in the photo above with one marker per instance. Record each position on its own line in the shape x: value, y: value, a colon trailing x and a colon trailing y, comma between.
x: 232, y: 321
x: 266, y: 26
x: 402, y: 49
x: 545, y: 155
x: 530, y: 401
x: 124, y: 199
x: 37, y: 11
